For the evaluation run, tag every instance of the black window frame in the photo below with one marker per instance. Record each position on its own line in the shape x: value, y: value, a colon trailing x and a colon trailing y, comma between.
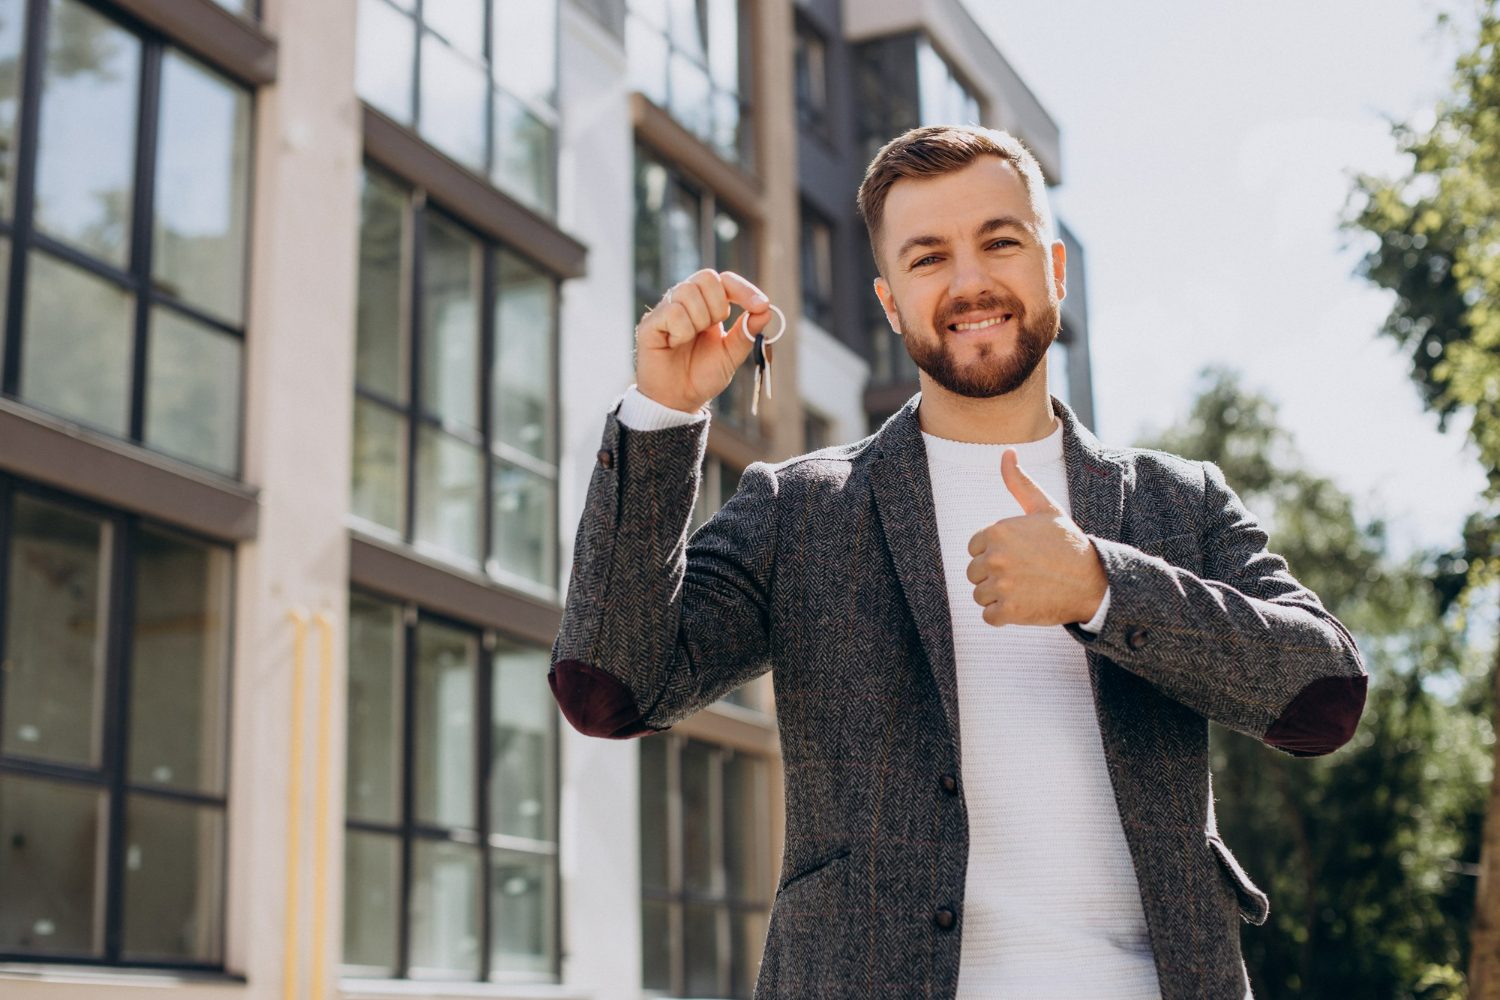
x: 409, y: 830
x: 414, y: 410
x: 817, y: 301
x: 136, y: 278
x: 111, y: 776
x: 812, y: 117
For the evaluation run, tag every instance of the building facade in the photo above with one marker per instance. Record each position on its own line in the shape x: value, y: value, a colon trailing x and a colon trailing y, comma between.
x: 311, y: 314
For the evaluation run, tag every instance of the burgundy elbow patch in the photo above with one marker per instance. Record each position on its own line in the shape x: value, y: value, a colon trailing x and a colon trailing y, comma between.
x: 1321, y: 718
x: 596, y: 703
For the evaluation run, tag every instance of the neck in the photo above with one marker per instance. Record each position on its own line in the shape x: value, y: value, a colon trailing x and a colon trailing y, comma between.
x: 1014, y: 418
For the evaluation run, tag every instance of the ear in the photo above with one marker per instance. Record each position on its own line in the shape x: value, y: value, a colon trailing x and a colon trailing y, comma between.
x: 1060, y: 269
x: 888, y: 303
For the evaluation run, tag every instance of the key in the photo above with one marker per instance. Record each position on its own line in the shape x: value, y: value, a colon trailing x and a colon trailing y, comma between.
x: 762, y: 359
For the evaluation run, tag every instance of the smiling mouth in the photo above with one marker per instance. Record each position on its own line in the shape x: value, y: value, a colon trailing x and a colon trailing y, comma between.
x: 983, y: 324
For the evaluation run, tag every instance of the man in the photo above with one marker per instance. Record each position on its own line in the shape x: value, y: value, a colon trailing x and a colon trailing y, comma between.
x: 996, y: 643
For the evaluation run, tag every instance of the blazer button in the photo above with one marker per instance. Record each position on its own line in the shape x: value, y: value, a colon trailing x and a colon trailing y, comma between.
x: 605, y: 458
x: 945, y: 918
x: 1136, y: 638
x: 949, y: 784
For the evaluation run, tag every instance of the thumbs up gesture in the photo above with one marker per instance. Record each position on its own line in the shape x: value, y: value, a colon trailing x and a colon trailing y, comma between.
x: 1036, y: 569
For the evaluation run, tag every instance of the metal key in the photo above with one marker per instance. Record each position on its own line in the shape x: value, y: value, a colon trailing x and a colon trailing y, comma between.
x: 762, y: 359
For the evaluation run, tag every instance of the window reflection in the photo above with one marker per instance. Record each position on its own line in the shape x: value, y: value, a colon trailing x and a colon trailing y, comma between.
x: 685, y: 56
x: 12, y: 38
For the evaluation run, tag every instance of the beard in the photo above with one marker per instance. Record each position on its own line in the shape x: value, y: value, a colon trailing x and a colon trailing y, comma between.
x: 992, y: 373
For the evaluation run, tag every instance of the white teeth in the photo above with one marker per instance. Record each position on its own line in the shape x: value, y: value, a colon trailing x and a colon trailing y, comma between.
x: 982, y: 325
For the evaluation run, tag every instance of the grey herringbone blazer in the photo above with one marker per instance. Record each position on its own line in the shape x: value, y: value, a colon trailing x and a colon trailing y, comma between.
x: 826, y: 570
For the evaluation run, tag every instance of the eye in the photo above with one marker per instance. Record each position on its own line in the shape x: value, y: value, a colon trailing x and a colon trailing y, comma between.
x: 924, y: 261
x: 1005, y: 242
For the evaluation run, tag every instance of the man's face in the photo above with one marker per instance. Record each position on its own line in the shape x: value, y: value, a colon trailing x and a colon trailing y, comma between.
x: 969, y: 283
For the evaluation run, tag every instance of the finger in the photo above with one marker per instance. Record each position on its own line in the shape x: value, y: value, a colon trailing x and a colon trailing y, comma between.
x: 711, y: 285
x: 679, y: 326
x: 742, y: 293
x: 987, y: 593
x: 994, y: 614
x: 1028, y: 494
x: 751, y: 323
x: 978, y: 571
x: 978, y: 543
x: 690, y: 297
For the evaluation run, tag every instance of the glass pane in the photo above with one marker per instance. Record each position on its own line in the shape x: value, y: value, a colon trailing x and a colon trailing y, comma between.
x: 744, y: 800
x: 656, y: 945
x: 12, y: 38
x: 683, y: 232
x: 77, y: 347
x: 747, y: 939
x: 52, y: 867
x: 444, y: 910
x: 202, y: 188
x: 454, y: 109
x: 700, y: 950
x: 726, y: 132
x: 655, y: 846
x: 651, y: 180
x: 522, y: 748
x: 689, y: 33
x: 193, y: 391
x: 179, y: 665
x: 450, y: 487
x: 373, y: 787
x: 524, y: 48
x: 524, y: 524
x: 690, y: 95
x: 379, y: 489
x: 386, y: 58
x: 523, y: 912
x: 699, y: 859
x: 372, y: 901
x: 647, y: 49
x: 724, y: 43
x: 174, y: 876
x: 461, y: 22
x: 86, y: 152
x: 525, y: 332
x: 653, y: 11
x: 444, y: 766
x: 732, y: 250
x: 1058, y: 382
x: 58, y: 591
x: 450, y: 322
x: 380, y: 344
x: 523, y: 154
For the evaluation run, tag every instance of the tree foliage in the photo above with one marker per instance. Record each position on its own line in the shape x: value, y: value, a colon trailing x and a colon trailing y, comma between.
x: 1367, y: 854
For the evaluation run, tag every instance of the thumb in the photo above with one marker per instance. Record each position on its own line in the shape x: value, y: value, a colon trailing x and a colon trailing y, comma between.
x: 1031, y: 497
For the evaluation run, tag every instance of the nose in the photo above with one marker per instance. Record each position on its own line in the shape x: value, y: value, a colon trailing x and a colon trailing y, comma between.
x: 969, y: 277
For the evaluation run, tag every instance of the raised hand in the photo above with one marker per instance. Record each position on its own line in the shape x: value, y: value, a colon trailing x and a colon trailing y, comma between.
x: 683, y: 356
x: 1036, y: 569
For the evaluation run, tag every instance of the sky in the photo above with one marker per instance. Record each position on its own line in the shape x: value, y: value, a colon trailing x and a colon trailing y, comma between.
x: 1208, y: 151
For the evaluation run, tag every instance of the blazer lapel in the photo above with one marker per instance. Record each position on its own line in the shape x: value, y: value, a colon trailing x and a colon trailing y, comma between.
x: 903, y: 500
x: 1096, y: 482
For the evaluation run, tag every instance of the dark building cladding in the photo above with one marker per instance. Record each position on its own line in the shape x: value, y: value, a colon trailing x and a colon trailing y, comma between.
x: 869, y: 93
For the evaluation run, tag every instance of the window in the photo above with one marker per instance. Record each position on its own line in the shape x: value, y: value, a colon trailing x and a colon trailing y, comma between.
x: 455, y: 400
x: 687, y: 56
x: 1057, y: 372
x: 703, y: 867
x: 680, y: 228
x: 113, y: 722
x: 817, y: 268
x: 476, y: 78
x: 811, y: 68
x: 450, y: 855
x: 124, y: 182
x: 944, y: 98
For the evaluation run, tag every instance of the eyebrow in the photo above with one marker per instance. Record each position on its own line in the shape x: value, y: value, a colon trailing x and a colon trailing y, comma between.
x: 985, y: 229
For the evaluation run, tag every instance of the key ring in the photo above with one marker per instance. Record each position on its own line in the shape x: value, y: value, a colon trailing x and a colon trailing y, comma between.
x: 769, y: 340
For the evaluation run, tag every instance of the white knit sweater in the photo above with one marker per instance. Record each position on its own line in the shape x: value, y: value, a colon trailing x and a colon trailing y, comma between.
x: 1051, y: 905
x: 1051, y: 909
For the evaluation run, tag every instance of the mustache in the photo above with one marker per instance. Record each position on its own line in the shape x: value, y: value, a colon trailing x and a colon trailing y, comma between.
x: 988, y: 302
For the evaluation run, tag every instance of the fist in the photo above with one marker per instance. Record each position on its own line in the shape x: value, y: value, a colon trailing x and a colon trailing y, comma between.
x: 683, y: 356
x: 1036, y: 569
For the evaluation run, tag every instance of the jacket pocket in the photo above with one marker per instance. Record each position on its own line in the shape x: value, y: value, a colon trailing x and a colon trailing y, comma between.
x: 811, y: 870
x: 1254, y: 907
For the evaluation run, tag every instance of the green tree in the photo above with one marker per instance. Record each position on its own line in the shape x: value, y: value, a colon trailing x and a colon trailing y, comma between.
x: 1364, y: 853
x: 1436, y: 244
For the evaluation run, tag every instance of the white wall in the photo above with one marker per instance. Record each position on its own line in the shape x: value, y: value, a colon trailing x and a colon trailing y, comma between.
x: 832, y: 379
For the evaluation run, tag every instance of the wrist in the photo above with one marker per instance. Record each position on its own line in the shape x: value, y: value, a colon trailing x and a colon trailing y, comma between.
x: 671, y: 400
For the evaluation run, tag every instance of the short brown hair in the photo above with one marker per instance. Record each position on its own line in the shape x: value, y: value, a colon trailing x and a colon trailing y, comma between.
x: 934, y: 150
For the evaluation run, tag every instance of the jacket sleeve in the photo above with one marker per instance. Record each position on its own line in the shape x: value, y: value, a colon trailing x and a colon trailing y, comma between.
x: 655, y: 628
x: 1244, y: 644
